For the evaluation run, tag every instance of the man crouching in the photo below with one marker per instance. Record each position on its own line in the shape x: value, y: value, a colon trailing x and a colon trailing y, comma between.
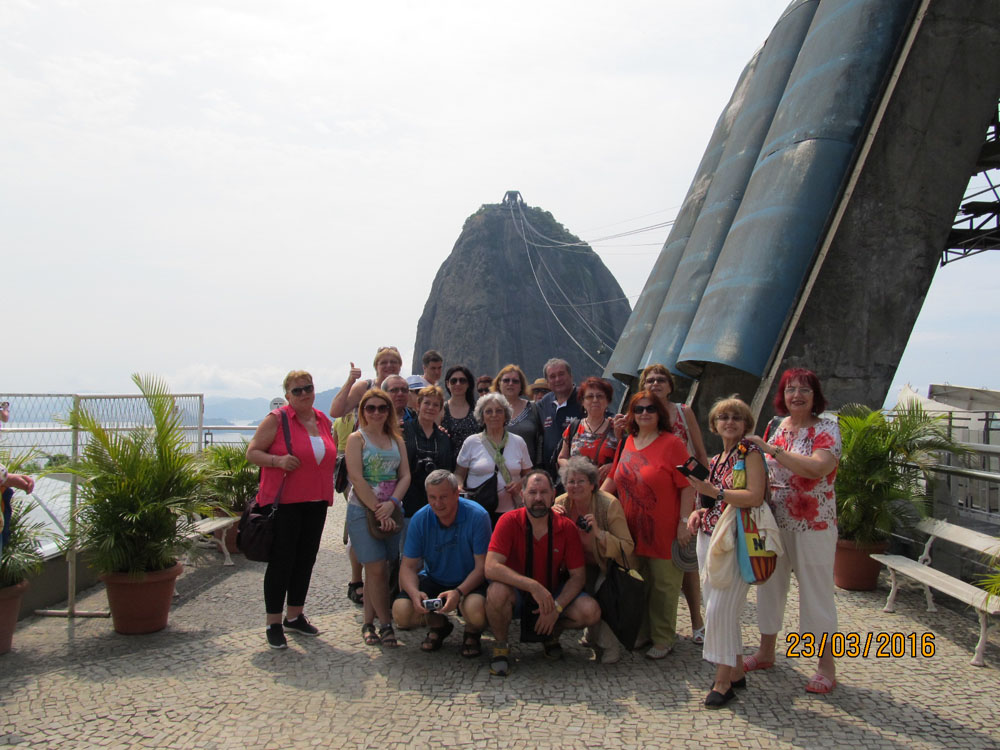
x: 443, y: 566
x: 524, y: 578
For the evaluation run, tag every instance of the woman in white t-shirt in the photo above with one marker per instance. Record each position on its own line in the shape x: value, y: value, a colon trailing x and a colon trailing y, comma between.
x: 495, y: 449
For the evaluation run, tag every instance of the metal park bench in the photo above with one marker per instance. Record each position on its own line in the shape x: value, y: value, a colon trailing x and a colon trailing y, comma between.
x: 920, y: 570
x: 208, y: 526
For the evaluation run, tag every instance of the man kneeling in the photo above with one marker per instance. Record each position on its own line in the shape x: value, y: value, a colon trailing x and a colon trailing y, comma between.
x: 524, y: 578
x: 443, y: 561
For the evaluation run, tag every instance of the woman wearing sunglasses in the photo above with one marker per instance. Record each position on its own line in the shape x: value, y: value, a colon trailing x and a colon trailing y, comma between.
x: 658, y: 380
x: 458, y: 420
x: 736, y: 477
x: 380, y: 475
x: 302, y: 485
x: 657, y: 501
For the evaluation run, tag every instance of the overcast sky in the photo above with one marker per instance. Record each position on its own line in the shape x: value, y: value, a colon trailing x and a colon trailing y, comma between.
x: 218, y: 192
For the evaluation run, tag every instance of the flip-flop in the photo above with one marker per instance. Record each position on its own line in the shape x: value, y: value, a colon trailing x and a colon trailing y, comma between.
x: 820, y: 684
x: 750, y: 664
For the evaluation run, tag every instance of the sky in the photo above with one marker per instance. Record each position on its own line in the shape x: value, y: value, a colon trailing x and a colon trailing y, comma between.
x: 219, y: 192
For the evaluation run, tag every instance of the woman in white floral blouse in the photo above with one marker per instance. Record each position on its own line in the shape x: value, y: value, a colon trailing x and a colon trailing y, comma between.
x: 802, y: 457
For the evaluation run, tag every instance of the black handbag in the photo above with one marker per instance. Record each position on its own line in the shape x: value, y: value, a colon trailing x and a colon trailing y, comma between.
x: 486, y: 494
x: 257, y: 526
x: 529, y: 618
x: 622, y: 598
x: 340, y: 481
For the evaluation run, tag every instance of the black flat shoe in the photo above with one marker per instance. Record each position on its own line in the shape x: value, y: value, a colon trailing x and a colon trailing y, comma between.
x: 739, y: 684
x: 715, y: 699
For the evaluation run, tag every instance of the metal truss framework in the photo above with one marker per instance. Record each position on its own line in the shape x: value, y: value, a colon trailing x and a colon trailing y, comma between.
x: 977, y: 226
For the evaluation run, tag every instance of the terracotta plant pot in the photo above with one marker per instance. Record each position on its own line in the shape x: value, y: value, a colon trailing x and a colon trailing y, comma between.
x: 141, y: 605
x: 10, y: 606
x: 853, y: 569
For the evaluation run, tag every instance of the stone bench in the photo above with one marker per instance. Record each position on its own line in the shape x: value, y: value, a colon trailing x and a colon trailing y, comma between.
x: 920, y: 570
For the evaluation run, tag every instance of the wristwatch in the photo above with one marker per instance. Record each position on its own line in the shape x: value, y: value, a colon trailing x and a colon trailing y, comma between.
x: 721, y: 496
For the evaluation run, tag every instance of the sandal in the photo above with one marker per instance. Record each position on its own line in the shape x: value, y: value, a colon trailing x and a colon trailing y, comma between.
x: 355, y: 592
x: 368, y: 633
x: 471, y: 645
x: 436, y: 636
x: 387, y: 636
x: 698, y: 635
x: 820, y: 684
x: 500, y: 662
x: 751, y: 664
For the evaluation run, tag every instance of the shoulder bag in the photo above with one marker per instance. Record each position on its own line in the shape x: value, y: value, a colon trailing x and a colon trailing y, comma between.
x: 622, y: 598
x: 256, y: 529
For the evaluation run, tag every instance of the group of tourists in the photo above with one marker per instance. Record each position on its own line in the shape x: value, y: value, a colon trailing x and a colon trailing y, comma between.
x: 500, y: 503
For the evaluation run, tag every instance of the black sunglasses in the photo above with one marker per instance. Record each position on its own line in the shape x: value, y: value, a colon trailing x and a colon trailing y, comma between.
x: 373, y: 408
x: 454, y: 381
x: 640, y: 409
x: 299, y: 390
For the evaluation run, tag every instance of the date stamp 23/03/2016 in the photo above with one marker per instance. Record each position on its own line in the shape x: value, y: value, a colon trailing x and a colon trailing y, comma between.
x: 852, y: 645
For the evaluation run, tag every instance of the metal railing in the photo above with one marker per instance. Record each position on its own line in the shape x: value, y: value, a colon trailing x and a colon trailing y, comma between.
x: 40, y: 427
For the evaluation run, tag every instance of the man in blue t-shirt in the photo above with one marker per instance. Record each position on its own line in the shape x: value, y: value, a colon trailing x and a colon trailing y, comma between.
x: 444, y: 561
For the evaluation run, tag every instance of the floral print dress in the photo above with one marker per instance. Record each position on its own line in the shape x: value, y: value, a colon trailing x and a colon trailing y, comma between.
x: 799, y: 503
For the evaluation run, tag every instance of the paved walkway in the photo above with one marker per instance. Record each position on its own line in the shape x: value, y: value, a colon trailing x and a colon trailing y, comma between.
x: 208, y: 681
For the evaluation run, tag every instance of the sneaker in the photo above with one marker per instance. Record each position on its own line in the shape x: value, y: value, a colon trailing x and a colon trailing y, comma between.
x: 276, y: 636
x: 301, y: 625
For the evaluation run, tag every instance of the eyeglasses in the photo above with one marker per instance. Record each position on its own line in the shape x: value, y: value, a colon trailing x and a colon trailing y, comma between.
x: 804, y: 390
x: 515, y: 381
x: 492, y: 412
x: 729, y: 418
x: 376, y: 408
x: 398, y: 389
x: 640, y: 409
x: 595, y: 397
x: 299, y: 390
x: 576, y: 481
x: 654, y: 379
x: 456, y: 381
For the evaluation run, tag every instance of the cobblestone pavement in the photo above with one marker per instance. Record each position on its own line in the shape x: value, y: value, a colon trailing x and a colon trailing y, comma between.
x: 209, y: 681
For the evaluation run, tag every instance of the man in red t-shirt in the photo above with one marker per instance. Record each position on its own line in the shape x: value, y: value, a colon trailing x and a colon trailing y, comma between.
x: 558, y: 608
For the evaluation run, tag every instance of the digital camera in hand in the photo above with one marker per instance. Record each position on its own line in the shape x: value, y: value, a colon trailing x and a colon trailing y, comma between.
x: 583, y: 524
x: 432, y: 605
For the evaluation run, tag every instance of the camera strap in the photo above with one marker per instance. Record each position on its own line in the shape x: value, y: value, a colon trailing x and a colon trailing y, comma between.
x: 529, y: 551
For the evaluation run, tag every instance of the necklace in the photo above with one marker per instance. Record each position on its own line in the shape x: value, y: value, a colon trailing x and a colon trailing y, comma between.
x: 595, y: 430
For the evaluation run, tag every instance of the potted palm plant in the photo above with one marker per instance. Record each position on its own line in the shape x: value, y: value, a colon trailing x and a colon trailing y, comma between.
x: 883, y: 483
x: 139, y: 494
x: 234, y: 484
x: 21, y: 558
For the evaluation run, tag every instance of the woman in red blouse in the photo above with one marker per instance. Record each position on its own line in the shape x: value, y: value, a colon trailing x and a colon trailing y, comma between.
x: 657, y: 500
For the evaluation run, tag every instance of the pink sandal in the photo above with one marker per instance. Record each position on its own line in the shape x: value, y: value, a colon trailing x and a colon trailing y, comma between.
x: 820, y: 684
x: 750, y: 664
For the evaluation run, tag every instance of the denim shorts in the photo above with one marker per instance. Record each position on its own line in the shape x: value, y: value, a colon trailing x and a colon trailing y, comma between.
x: 367, y: 549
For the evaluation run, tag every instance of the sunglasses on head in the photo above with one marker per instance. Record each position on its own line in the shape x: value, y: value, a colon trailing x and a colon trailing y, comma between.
x: 376, y: 408
x: 299, y: 390
x: 640, y: 409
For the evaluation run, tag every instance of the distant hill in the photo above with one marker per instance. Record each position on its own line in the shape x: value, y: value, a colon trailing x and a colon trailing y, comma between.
x: 519, y: 287
x: 220, y: 410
